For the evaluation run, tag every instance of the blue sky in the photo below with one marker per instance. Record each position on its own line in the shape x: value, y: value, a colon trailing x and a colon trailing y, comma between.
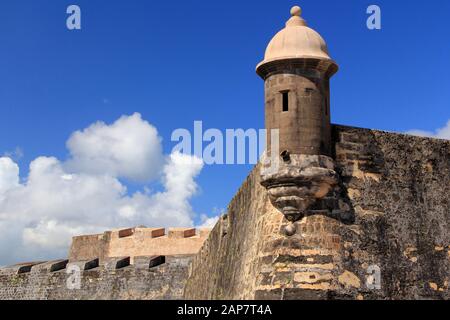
x: 179, y: 61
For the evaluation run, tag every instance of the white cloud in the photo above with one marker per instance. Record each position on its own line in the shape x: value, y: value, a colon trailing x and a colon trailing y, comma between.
x: 441, y: 133
x: 208, y: 222
x: 84, y: 194
x: 129, y: 148
x: 9, y: 175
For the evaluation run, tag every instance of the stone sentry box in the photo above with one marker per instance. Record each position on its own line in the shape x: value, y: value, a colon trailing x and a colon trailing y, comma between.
x: 296, y: 70
x: 297, y: 103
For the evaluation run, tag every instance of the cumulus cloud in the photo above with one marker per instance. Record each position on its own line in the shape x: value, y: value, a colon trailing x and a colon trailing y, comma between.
x: 9, y: 175
x: 129, y: 148
x: 441, y: 133
x: 208, y: 222
x: 59, y: 199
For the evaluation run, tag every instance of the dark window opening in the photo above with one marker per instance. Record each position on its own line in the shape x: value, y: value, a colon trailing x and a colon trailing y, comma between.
x: 326, y: 106
x: 285, y: 101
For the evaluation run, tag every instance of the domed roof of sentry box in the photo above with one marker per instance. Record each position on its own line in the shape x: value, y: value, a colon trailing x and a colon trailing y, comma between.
x: 296, y: 40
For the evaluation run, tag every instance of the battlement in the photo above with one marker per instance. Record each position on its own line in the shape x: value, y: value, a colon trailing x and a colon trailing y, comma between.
x: 150, y: 277
x: 108, y: 264
x: 145, y: 263
x: 135, y: 242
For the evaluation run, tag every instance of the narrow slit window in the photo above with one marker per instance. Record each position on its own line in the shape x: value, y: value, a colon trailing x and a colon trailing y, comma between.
x: 285, y: 101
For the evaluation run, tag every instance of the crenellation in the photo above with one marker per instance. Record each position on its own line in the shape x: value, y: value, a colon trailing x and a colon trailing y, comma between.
x: 85, y: 265
x: 145, y: 262
x: 157, y: 232
x: 50, y: 266
x: 177, y: 233
x: 112, y: 265
x: 22, y: 268
x: 116, y: 263
x: 138, y: 242
x: 162, y: 278
x: 126, y: 232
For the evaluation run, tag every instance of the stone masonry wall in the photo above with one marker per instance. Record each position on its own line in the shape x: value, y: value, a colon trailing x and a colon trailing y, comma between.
x: 399, y: 187
x: 383, y: 233
x: 113, y: 280
x: 227, y: 266
x: 138, y: 242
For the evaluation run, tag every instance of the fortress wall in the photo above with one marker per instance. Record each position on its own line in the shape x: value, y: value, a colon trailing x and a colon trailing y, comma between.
x: 399, y: 186
x: 164, y: 281
x: 138, y: 242
x: 227, y: 266
x: 390, y: 216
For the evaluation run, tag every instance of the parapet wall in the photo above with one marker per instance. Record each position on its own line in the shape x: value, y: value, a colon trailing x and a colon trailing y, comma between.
x: 150, y: 278
x: 383, y: 233
x: 134, y: 242
x: 133, y: 263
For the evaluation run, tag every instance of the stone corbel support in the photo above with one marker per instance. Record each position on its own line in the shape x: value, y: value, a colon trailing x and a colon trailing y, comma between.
x: 299, y: 182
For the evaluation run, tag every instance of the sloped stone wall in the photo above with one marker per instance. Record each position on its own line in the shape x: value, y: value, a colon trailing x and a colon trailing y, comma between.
x: 227, y: 266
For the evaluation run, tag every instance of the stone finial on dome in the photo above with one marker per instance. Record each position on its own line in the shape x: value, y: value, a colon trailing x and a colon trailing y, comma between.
x: 296, y: 19
x: 296, y: 11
